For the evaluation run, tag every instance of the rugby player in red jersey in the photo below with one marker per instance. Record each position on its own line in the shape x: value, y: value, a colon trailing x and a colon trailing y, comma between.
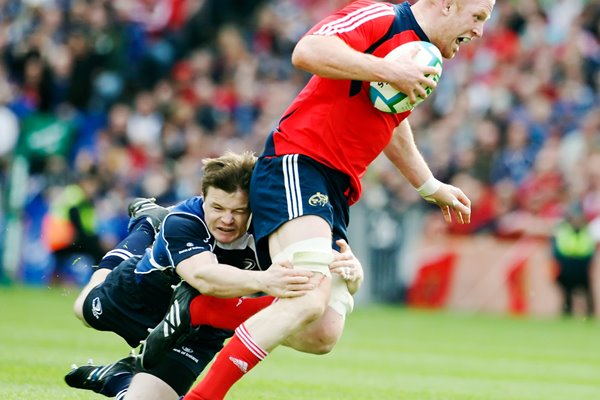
x: 309, y: 173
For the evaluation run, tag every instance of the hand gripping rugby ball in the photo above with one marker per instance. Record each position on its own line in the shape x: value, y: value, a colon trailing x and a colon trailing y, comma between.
x: 388, y: 99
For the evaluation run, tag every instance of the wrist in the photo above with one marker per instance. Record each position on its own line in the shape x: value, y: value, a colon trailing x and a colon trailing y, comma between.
x: 259, y: 282
x: 429, y: 187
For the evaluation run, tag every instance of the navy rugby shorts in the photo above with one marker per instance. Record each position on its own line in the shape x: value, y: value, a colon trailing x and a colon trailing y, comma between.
x: 185, y: 362
x: 122, y: 306
x: 290, y: 186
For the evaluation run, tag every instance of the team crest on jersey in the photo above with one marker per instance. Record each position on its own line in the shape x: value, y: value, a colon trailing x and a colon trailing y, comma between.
x: 318, y: 199
x: 249, y: 264
x: 96, y: 307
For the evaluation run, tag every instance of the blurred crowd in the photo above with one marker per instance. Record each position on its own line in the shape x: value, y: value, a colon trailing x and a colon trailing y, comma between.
x: 515, y: 120
x: 110, y: 100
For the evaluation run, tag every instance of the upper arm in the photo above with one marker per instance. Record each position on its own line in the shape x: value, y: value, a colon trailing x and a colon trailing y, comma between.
x: 182, y: 236
x: 402, y: 151
x: 359, y: 24
x: 189, y: 268
x: 354, y: 28
x: 312, y: 49
x: 340, y: 47
x: 401, y: 137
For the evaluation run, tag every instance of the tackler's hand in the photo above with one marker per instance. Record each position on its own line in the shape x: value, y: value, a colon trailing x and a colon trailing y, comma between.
x: 282, y: 280
x: 346, y: 265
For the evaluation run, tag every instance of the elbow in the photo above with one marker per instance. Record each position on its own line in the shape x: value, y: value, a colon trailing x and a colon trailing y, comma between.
x: 302, y: 57
x: 203, y: 286
x: 299, y: 60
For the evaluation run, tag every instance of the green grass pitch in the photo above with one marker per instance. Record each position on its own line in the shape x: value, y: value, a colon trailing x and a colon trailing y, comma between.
x: 385, y: 353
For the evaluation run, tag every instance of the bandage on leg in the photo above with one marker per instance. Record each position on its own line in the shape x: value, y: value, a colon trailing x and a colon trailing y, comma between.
x: 340, y: 299
x: 316, y: 255
x: 312, y: 254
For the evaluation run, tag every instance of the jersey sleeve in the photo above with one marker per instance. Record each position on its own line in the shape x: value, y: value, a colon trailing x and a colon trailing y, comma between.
x: 182, y: 236
x: 360, y: 24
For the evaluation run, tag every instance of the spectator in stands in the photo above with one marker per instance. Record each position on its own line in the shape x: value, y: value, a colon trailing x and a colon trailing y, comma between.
x: 8, y: 121
x: 515, y: 160
x: 70, y: 229
x: 574, y: 249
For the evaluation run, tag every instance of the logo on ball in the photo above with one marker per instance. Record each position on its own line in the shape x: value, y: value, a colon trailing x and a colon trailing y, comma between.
x: 388, y: 99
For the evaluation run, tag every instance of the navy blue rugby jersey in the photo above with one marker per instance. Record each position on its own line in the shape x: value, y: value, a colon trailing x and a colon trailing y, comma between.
x: 184, y: 234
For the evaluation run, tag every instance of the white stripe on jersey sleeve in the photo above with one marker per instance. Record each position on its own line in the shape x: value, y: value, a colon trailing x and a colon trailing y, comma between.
x: 353, y: 16
x: 121, y: 253
x: 355, y: 19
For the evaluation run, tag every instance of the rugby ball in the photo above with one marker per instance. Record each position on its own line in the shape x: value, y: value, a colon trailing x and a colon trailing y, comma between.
x: 388, y: 99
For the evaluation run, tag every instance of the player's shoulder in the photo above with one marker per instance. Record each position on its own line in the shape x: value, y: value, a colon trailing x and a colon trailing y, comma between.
x: 404, y: 19
x: 186, y: 215
x: 191, y: 205
x: 357, y: 13
x: 403, y: 28
x: 370, y: 3
x: 364, y: 10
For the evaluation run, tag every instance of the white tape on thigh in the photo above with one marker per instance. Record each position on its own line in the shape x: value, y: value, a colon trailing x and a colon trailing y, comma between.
x: 340, y: 300
x: 312, y: 254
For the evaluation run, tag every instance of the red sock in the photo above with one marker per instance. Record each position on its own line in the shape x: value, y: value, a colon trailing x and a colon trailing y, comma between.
x: 226, y: 313
x: 238, y: 357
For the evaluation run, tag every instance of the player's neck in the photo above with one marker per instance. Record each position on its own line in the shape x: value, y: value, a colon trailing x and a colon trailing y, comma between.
x: 423, y: 11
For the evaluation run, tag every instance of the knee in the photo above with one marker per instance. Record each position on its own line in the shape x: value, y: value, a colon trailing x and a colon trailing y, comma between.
x: 319, y: 337
x: 313, y: 307
x: 78, y: 308
x: 322, y: 340
x: 98, y: 277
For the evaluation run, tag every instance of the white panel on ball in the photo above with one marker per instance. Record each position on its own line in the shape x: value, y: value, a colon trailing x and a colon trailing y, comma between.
x: 385, y: 97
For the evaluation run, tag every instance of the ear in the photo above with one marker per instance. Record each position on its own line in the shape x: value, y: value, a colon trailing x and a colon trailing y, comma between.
x: 447, y: 6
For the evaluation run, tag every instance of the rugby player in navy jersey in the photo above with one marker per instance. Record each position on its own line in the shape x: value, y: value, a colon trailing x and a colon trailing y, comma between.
x: 203, y: 240
x: 309, y: 173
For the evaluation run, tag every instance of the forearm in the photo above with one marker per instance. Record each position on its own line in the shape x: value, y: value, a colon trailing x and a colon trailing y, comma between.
x: 220, y: 280
x: 330, y: 57
x: 404, y: 154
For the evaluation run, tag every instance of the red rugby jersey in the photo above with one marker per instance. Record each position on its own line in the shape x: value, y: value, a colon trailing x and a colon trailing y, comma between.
x: 334, y: 121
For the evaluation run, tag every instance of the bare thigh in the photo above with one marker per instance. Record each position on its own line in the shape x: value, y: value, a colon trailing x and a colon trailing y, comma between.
x: 97, y: 278
x: 302, y: 228
x: 148, y: 387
